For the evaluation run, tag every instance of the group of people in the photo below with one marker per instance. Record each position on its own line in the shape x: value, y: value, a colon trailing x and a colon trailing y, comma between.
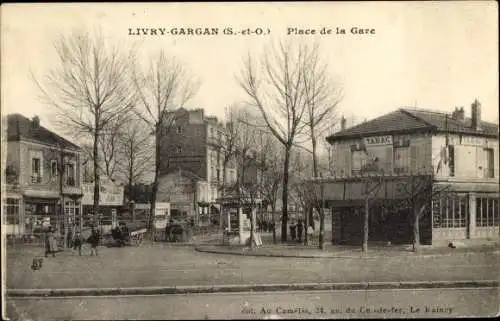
x: 265, y: 226
x: 120, y: 234
x: 76, y: 241
x: 296, y: 230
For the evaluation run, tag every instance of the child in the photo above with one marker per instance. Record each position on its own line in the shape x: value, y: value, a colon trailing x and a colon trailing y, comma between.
x: 77, y: 242
x: 93, y: 240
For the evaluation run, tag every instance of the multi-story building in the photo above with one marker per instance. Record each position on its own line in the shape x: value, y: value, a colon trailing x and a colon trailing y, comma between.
x: 458, y: 155
x: 42, y: 178
x: 195, y: 144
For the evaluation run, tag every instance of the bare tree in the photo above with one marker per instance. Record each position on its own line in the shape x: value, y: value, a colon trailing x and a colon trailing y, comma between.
x: 163, y: 87
x: 371, y: 186
x: 417, y: 192
x: 89, y: 89
x: 229, y: 145
x: 322, y: 98
x: 109, y: 144
x: 278, y: 92
x: 135, y: 148
x: 271, y: 173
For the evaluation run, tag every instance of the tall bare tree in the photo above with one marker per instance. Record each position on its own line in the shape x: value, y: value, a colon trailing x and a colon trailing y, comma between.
x: 135, y: 148
x: 89, y: 88
x: 275, y: 86
x: 163, y: 87
x: 109, y: 145
x: 322, y: 98
x: 271, y: 173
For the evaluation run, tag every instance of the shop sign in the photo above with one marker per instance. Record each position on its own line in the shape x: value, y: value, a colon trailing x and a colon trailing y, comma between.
x: 474, y: 141
x: 378, y: 140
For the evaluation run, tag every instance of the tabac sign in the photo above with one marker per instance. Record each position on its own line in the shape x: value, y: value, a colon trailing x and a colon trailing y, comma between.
x: 378, y: 140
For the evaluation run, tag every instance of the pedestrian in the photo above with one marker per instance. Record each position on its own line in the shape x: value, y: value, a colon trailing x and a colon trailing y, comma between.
x: 293, y: 229
x: 77, y: 242
x: 50, y: 242
x: 300, y: 227
x: 93, y: 240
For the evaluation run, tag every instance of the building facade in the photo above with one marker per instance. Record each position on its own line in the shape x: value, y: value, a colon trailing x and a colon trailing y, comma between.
x: 195, y: 144
x: 458, y: 156
x: 187, y: 194
x: 110, y: 203
x: 42, y: 178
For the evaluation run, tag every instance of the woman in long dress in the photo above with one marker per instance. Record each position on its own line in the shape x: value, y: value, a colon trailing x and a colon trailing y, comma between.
x: 50, y: 242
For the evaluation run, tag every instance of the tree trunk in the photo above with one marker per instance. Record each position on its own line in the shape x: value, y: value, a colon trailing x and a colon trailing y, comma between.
x: 284, y: 195
x: 365, y: 229
x: 322, y: 220
x: 306, y: 224
x: 416, y: 230
x: 130, y: 197
x: 155, y: 181
x: 222, y: 192
x: 273, y: 218
x: 95, y: 154
x: 322, y: 228
x: 252, y: 223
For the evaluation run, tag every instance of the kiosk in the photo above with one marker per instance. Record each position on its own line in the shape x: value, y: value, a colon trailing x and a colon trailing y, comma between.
x: 237, y: 208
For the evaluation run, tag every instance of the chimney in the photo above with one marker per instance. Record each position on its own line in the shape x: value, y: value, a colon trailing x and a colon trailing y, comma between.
x: 476, y: 115
x: 458, y: 114
x: 342, y: 123
x: 35, y: 122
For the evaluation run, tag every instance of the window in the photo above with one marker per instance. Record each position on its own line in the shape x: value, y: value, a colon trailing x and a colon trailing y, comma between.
x: 487, y: 213
x: 402, y: 160
x: 54, y: 173
x: 179, y: 130
x: 11, y: 211
x: 357, y: 161
x: 489, y: 163
x: 451, y: 160
x: 179, y: 149
x: 36, y: 170
x: 450, y: 211
x: 70, y: 174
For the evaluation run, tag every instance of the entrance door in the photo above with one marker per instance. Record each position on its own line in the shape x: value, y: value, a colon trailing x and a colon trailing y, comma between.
x: 351, y: 226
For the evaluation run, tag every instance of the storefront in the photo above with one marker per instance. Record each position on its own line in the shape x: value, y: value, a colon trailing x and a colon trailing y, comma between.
x: 456, y: 211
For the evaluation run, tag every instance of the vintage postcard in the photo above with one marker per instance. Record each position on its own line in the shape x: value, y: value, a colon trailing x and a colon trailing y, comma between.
x: 266, y: 160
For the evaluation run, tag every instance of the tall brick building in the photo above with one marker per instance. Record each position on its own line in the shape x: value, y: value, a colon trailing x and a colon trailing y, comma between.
x: 195, y: 144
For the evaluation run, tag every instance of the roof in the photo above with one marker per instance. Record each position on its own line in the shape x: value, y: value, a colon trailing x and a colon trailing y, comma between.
x: 406, y: 120
x: 20, y: 127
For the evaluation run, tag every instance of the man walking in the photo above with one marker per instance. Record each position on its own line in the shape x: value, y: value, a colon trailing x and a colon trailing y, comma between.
x: 50, y: 242
x: 300, y: 227
x: 93, y: 240
x: 77, y: 242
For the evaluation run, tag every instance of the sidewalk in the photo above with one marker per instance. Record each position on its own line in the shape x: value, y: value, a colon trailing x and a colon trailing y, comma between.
x: 339, y: 251
x: 162, y: 265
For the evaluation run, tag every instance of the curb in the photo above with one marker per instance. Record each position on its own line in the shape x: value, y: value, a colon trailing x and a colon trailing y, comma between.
x: 340, y: 256
x: 40, y: 293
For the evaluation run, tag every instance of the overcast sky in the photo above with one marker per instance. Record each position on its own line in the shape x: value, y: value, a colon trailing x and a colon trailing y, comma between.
x: 432, y: 55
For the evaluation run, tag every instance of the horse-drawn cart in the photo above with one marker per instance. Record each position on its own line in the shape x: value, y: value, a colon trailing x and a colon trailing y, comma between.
x: 130, y: 233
